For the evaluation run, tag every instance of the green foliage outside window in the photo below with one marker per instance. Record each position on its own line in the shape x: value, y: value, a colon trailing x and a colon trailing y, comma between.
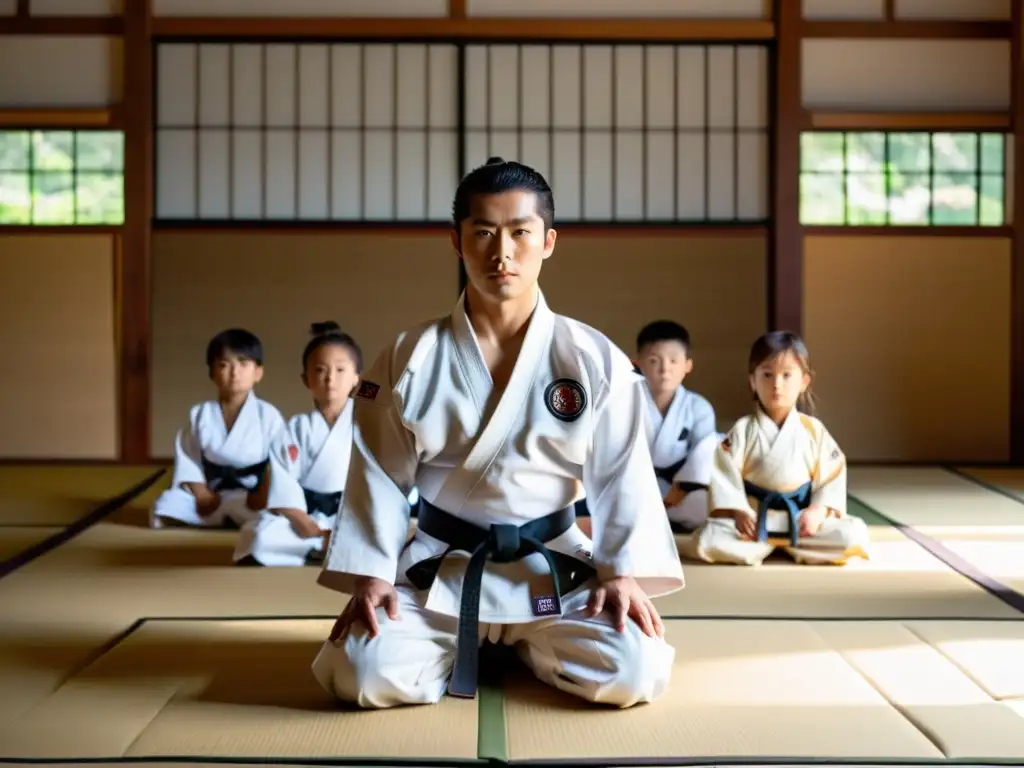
x: 61, y: 177
x: 903, y: 179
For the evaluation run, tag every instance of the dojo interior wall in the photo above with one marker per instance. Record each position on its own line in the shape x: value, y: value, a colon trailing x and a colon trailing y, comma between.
x: 893, y: 321
x: 910, y: 335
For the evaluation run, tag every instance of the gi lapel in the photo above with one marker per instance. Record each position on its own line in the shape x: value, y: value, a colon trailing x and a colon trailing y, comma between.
x: 492, y: 437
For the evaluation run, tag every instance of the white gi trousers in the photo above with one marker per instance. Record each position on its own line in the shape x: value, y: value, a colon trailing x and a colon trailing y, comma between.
x: 411, y: 659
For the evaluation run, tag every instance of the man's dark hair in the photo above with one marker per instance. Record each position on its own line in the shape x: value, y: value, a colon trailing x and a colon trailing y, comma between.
x: 498, y: 176
x: 663, y: 330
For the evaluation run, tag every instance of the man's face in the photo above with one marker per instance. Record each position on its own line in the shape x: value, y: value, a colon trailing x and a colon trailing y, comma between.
x: 503, y: 244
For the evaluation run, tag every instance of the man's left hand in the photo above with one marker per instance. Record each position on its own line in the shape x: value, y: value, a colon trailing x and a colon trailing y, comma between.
x: 811, y: 520
x: 623, y: 597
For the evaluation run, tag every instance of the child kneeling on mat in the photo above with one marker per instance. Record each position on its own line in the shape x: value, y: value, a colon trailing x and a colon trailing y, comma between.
x: 778, y: 479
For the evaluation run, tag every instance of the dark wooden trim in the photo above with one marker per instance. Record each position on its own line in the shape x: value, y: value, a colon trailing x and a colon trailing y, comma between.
x: 43, y: 119
x: 890, y: 10
x: 405, y: 230
x: 22, y: 9
x: 907, y: 231
x: 785, y: 246
x: 56, y: 230
x: 518, y: 29
x: 1017, y: 251
x: 134, y: 286
x: 61, y: 26
x: 921, y: 30
x: 457, y: 9
x: 907, y: 121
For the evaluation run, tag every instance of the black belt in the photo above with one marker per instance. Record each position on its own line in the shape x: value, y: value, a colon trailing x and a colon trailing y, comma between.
x: 667, y: 473
x: 792, y: 501
x: 502, y: 544
x: 223, y: 478
x: 325, y: 503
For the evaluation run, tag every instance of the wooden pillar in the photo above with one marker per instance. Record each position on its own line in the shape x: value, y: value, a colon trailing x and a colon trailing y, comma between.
x: 1017, y: 251
x: 785, y: 246
x: 134, y: 284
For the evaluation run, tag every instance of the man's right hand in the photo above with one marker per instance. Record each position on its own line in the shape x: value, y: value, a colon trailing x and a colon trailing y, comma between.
x: 303, y: 525
x: 370, y: 594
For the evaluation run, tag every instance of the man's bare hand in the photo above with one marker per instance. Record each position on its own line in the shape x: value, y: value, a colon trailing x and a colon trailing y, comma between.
x: 811, y: 520
x: 370, y: 594
x: 624, y: 598
x: 207, y: 501
x: 674, y: 497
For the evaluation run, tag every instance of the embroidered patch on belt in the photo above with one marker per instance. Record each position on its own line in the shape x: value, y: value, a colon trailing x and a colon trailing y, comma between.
x: 544, y: 606
x: 565, y: 399
x: 367, y: 390
x: 293, y: 452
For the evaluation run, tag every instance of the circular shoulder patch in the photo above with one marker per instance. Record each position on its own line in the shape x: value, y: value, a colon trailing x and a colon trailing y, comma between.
x: 565, y: 399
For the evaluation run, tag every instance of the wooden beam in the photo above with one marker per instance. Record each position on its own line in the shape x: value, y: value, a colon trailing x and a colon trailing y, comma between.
x: 62, y: 26
x: 785, y: 246
x: 134, y: 285
x: 907, y: 121
x: 893, y: 30
x: 890, y: 10
x: 1017, y: 250
x: 42, y: 119
x: 457, y: 9
x: 22, y: 9
x: 638, y: 30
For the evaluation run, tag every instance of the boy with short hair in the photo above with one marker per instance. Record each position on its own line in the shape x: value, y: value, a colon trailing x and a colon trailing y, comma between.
x: 220, y: 456
x: 681, y: 425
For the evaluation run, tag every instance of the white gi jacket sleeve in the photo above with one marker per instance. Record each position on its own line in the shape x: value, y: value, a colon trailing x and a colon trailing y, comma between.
x: 726, y: 490
x: 188, y: 455
x: 631, y: 532
x: 829, y: 480
x: 373, y: 525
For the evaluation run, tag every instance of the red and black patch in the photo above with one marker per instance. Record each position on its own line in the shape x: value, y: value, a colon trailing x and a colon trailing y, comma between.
x: 727, y: 445
x: 367, y: 390
x: 565, y: 399
x: 293, y: 452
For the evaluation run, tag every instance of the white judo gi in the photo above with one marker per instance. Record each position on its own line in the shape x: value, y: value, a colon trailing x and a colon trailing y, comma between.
x: 683, y: 444
x: 571, y: 418
x: 231, y: 463
x: 308, y: 467
x: 758, y: 465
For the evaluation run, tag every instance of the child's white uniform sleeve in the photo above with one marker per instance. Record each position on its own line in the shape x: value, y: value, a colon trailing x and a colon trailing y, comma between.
x: 726, y: 489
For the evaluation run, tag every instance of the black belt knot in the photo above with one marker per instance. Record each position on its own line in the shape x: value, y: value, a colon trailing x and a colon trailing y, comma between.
x: 500, y: 543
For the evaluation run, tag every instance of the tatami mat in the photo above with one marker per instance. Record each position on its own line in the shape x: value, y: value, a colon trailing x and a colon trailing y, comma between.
x: 60, y: 495
x: 1004, y: 479
x: 981, y: 526
x: 16, y: 539
x: 227, y: 689
x: 928, y: 588
x: 772, y: 691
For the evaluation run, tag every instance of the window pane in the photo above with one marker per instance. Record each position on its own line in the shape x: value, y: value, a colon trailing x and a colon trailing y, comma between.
x: 53, y: 199
x: 15, y: 203
x: 993, y: 201
x: 955, y: 199
x: 99, y: 151
x: 865, y: 198
x: 821, y: 152
x: 955, y: 151
x: 865, y: 152
x: 52, y: 150
x: 909, y: 198
x: 821, y: 198
x: 13, y: 150
x: 910, y: 151
x: 993, y: 153
x: 100, y: 198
